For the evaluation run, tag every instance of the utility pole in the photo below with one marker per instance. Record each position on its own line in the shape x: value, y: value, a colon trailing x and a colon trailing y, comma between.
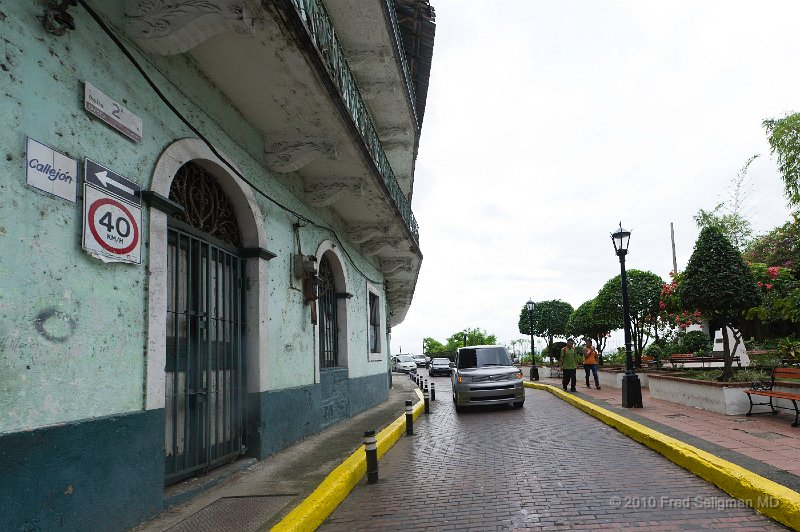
x: 674, y: 258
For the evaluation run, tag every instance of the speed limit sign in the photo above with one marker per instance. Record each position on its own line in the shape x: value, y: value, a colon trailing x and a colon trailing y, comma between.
x: 111, y: 226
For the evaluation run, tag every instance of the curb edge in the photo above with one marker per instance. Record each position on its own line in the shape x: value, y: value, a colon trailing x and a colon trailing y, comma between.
x: 315, y: 508
x: 763, y: 495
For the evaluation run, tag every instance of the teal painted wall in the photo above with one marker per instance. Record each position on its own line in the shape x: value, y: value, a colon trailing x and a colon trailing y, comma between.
x: 282, y: 417
x: 103, y: 474
x: 74, y: 440
x: 90, y: 360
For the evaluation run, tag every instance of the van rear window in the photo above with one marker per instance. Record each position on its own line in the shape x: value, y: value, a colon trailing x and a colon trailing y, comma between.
x: 485, y: 356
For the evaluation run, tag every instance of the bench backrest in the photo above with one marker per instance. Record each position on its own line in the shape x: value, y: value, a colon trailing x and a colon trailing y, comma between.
x: 785, y: 373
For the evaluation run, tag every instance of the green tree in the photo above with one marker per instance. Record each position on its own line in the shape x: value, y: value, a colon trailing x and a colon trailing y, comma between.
x: 549, y: 320
x: 783, y: 136
x: 718, y: 283
x: 584, y: 322
x: 429, y: 345
x: 475, y: 336
x: 644, y: 292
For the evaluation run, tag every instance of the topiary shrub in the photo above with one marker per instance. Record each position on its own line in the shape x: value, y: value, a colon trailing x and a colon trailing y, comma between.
x: 718, y: 283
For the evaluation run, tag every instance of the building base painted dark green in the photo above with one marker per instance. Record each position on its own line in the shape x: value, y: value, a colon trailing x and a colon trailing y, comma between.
x: 283, y: 417
x: 97, y: 474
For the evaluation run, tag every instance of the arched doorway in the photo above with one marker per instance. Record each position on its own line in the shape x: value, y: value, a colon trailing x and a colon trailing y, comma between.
x: 204, y: 381
x: 332, y: 335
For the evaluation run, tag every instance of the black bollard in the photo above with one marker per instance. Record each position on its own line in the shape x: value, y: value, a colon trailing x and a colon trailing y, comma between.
x: 409, y: 419
x: 371, y: 446
x: 433, y: 391
x: 427, y: 399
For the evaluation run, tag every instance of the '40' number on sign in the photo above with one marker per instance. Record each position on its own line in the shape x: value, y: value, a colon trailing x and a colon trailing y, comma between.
x: 113, y: 226
x: 121, y: 226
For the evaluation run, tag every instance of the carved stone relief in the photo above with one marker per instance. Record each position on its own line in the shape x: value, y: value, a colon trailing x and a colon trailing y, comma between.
x: 324, y: 193
x: 291, y: 156
x: 396, y: 265
x: 373, y: 246
x: 394, y: 132
x: 359, y: 233
x: 169, y: 27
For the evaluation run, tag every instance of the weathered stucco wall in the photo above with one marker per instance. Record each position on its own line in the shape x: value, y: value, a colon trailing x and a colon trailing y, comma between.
x: 73, y: 330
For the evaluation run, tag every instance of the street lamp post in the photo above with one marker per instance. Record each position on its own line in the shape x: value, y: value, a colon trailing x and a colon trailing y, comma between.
x: 534, y: 370
x: 465, y: 337
x: 631, y: 387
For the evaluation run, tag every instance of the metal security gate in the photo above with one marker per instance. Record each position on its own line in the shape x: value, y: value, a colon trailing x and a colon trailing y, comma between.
x: 204, y: 369
x: 328, y: 327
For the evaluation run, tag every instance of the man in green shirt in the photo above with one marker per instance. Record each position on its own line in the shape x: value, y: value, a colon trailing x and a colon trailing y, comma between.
x: 569, y: 365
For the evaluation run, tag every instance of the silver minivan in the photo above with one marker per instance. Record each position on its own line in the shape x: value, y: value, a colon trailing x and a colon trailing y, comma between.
x: 484, y: 375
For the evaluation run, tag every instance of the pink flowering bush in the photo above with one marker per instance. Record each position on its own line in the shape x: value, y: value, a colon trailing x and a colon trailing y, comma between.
x: 778, y: 248
x: 670, y: 306
x: 779, y: 290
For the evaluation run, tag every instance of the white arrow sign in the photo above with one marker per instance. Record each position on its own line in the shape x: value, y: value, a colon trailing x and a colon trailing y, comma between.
x: 103, y: 178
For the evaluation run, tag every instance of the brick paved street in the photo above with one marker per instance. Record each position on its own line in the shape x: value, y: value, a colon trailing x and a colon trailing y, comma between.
x: 547, y: 466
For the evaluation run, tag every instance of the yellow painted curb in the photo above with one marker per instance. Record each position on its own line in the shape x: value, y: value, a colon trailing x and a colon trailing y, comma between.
x: 310, y: 513
x: 763, y: 495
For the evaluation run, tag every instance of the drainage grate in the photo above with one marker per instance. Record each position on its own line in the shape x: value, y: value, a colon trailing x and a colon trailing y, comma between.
x: 234, y: 514
x: 673, y: 416
x: 744, y: 420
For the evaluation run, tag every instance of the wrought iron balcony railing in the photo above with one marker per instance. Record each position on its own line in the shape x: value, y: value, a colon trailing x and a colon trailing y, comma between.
x: 319, y: 27
x: 398, y: 39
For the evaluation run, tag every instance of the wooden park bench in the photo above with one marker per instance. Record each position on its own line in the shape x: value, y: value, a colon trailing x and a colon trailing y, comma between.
x: 766, y: 390
x: 690, y: 358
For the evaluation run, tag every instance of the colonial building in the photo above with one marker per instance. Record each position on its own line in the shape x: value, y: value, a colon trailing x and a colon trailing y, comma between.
x: 206, y: 235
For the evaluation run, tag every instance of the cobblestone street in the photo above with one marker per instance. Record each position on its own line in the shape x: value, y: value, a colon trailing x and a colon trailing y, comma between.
x: 546, y: 466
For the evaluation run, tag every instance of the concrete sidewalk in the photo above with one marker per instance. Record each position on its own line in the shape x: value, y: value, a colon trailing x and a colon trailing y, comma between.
x: 259, y: 495
x: 764, y: 444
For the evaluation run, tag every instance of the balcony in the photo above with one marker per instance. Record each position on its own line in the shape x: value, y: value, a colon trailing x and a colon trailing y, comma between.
x: 282, y: 66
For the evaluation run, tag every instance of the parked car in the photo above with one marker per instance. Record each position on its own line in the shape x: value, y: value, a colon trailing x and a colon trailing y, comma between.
x: 404, y: 364
x: 483, y: 375
x: 421, y: 360
x: 439, y: 366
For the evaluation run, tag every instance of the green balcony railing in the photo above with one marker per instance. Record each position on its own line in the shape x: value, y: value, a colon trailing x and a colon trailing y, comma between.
x: 319, y: 27
x: 398, y: 39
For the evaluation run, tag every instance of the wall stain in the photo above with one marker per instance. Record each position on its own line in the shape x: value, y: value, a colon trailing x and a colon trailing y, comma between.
x: 53, y: 313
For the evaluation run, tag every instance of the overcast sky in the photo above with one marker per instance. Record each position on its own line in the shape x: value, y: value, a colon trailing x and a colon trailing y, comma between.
x: 548, y: 123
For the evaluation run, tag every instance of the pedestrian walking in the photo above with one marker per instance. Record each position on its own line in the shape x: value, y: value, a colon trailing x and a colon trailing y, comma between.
x: 590, y: 363
x: 569, y: 365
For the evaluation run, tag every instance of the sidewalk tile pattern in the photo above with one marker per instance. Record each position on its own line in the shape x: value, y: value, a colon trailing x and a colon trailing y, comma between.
x: 767, y: 438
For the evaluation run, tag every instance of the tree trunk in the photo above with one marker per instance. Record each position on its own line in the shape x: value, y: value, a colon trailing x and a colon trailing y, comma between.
x: 601, y: 345
x: 727, y: 370
x: 637, y: 344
